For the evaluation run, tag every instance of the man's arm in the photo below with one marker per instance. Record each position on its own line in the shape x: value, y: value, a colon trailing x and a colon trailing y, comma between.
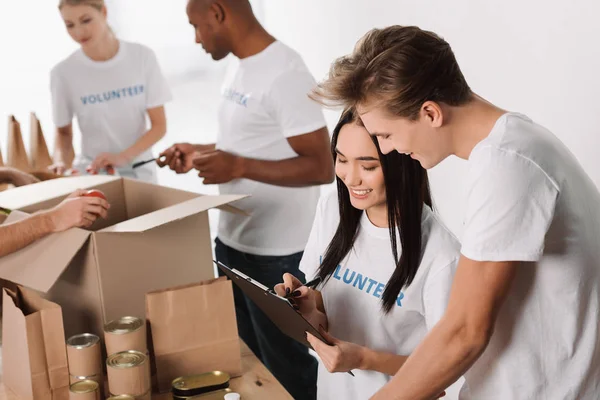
x: 74, y: 211
x: 15, y: 236
x: 461, y: 336
x: 312, y: 166
x: 16, y: 177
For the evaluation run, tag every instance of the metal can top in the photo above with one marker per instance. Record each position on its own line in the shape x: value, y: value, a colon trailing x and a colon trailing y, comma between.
x: 126, y: 359
x: 86, y: 378
x: 82, y: 341
x: 196, y: 384
x: 124, y: 325
x: 121, y: 397
x: 84, y: 387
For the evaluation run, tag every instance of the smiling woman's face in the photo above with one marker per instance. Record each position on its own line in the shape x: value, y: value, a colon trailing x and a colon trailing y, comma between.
x: 357, y: 165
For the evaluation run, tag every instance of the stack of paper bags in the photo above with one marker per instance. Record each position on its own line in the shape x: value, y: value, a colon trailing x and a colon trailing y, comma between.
x: 39, y: 156
x: 3, y: 186
x: 39, y: 159
x: 16, y: 155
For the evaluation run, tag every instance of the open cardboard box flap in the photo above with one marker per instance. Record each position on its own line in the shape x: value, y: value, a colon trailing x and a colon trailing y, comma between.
x: 22, y: 197
x: 39, y: 265
x: 171, y: 214
x: 136, y: 207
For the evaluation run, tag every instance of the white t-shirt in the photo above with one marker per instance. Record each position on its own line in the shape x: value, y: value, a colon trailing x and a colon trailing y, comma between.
x: 529, y: 200
x: 109, y: 99
x: 352, y: 296
x: 264, y: 102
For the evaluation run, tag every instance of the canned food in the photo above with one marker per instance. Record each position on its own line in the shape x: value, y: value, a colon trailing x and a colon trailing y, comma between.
x: 129, y: 373
x: 126, y: 333
x: 146, y: 396
x: 194, y: 385
x: 84, y: 354
x: 216, y: 395
x: 96, y: 378
x: 99, y: 379
x: 84, y: 390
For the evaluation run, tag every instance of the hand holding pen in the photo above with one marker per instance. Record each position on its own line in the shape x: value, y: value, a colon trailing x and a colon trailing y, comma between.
x: 304, y: 299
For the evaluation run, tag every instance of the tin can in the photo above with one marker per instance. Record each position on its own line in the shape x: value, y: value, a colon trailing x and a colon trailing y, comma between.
x: 96, y: 378
x: 147, y: 396
x: 84, y: 390
x: 126, y: 333
x: 84, y: 354
x: 193, y: 385
x: 216, y: 395
x: 128, y: 373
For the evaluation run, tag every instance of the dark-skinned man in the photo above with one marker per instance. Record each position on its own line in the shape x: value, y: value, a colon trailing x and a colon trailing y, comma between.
x: 274, y: 145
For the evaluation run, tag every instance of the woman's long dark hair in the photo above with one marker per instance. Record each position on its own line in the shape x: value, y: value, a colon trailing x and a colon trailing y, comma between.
x: 407, y: 189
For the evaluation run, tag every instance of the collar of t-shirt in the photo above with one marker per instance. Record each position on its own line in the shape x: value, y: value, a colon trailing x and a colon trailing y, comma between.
x: 383, y: 233
x: 121, y: 52
x: 259, y: 57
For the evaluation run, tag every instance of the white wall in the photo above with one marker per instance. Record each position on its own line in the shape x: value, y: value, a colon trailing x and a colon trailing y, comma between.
x: 34, y: 39
x: 537, y: 57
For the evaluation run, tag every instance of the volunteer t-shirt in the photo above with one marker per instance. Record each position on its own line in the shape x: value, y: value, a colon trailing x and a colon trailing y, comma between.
x: 352, y: 297
x: 109, y: 99
x: 264, y: 102
x: 529, y: 200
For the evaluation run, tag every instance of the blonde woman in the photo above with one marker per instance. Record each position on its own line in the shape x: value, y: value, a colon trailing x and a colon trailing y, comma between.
x: 110, y: 86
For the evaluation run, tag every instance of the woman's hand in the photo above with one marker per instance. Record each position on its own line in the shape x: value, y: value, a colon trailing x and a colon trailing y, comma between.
x: 306, y: 301
x: 59, y: 168
x: 303, y: 298
x: 20, y: 178
x: 338, y: 356
x: 107, y: 161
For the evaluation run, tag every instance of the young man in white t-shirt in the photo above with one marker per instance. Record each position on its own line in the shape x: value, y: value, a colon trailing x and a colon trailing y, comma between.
x: 272, y: 144
x: 522, y: 319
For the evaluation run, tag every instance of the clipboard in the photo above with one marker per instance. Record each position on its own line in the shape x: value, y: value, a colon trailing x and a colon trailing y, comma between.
x: 279, y: 309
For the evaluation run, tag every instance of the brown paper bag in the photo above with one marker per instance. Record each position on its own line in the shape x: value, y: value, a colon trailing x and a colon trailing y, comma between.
x: 34, y: 356
x: 3, y: 186
x: 16, y: 155
x: 193, y: 330
x: 39, y: 156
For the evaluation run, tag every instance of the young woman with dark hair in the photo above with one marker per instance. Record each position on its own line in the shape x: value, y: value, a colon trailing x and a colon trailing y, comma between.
x: 385, y: 260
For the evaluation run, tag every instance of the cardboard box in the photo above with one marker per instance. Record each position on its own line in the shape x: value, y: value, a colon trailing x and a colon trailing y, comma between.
x: 39, y: 156
x: 155, y: 238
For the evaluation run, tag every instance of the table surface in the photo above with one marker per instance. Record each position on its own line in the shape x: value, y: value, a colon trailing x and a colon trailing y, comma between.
x: 256, y: 382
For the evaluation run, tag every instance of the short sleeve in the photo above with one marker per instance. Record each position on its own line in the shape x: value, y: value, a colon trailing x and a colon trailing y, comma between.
x: 311, y: 259
x: 158, y: 92
x: 436, y: 293
x: 295, y: 112
x: 62, y: 109
x: 510, y: 206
